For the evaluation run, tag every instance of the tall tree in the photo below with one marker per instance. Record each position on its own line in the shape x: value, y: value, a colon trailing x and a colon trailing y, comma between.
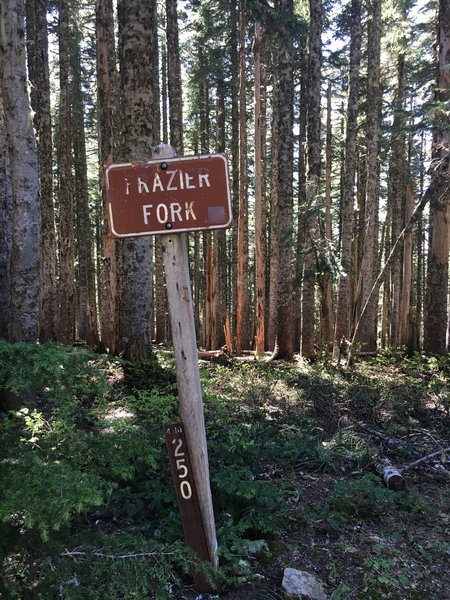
x: 38, y: 71
x: 343, y: 307
x: 368, y: 330
x: 313, y: 176
x: 65, y: 185
x: 23, y: 168
x: 87, y: 328
x: 436, y: 305
x: 5, y: 227
x: 397, y: 196
x: 242, y: 285
x: 107, y: 129
x: 137, y: 22
x: 324, y: 274
x: 301, y: 199
x: 282, y: 210
x: 260, y: 292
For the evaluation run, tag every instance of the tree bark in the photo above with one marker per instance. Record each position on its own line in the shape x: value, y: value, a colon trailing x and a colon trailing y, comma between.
x: 5, y: 227
x: 65, y: 183
x: 324, y: 280
x: 260, y: 264
x: 396, y: 198
x: 313, y: 177
x: 85, y: 273
x: 436, y: 304
x: 406, y: 317
x: 137, y: 22
x: 344, y: 296
x: 38, y: 71
x: 107, y: 128
x: 242, y: 284
x: 23, y: 168
x: 368, y: 330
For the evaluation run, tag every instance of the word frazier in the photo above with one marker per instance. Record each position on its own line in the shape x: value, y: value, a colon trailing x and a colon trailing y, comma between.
x: 169, y: 195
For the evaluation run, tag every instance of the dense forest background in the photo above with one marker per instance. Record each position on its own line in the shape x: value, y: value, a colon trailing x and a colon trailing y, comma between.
x: 334, y: 117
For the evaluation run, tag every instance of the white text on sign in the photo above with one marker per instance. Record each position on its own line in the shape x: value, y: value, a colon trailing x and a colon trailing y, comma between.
x: 185, y: 486
x: 174, y: 212
x: 168, y: 181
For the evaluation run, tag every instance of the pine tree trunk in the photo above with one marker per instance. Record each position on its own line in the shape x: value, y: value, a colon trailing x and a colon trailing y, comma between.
x: 301, y: 207
x: 344, y: 296
x: 326, y: 290
x: 5, y: 227
x: 313, y: 176
x: 242, y: 284
x: 137, y: 22
x: 234, y: 155
x: 396, y: 198
x: 406, y: 317
x: 273, y: 249
x: 65, y: 181
x: 368, y: 330
x: 436, y: 305
x: 38, y: 71
x: 284, y: 65
x: 23, y: 167
x: 86, y: 292
x: 260, y: 264
x: 174, y: 78
x: 107, y: 128
x: 219, y: 241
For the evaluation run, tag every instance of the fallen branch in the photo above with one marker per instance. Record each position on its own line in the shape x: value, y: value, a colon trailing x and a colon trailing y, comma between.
x: 75, y: 554
x: 424, y: 459
x: 392, y: 476
x: 389, y: 440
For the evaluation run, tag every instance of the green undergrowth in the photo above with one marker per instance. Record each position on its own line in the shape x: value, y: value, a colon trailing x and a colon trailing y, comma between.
x: 87, y: 507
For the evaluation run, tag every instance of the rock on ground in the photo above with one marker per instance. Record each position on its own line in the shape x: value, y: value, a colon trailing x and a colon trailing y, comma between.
x: 300, y: 584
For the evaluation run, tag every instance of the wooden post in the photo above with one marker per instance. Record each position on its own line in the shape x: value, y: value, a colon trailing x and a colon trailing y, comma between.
x: 176, y: 266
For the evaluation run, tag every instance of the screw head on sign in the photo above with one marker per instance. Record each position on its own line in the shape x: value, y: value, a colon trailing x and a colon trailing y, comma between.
x: 164, y: 165
x: 169, y: 225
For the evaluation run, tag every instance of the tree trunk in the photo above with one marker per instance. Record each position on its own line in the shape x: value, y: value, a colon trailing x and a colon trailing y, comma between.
x: 65, y: 181
x: 38, y: 71
x: 406, y: 317
x: 5, y: 227
x: 242, y: 284
x: 324, y: 280
x: 301, y: 206
x: 313, y: 176
x: 219, y: 243
x: 234, y: 155
x: 23, y: 166
x: 436, y: 305
x: 137, y: 22
x: 396, y: 199
x: 174, y: 80
x: 107, y: 128
x: 344, y: 296
x: 86, y: 292
x: 273, y: 249
x: 368, y: 330
x: 260, y: 265
x: 284, y: 65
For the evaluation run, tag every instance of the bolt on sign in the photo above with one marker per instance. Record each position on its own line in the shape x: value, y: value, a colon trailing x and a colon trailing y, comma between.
x: 188, y: 193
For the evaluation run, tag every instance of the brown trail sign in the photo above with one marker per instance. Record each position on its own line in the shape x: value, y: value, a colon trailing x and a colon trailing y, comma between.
x: 169, y: 194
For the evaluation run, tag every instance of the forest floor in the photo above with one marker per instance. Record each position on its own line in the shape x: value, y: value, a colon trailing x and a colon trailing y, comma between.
x: 88, y: 509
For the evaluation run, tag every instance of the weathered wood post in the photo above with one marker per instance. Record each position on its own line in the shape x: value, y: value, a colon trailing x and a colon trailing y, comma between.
x: 170, y: 196
x: 176, y: 267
